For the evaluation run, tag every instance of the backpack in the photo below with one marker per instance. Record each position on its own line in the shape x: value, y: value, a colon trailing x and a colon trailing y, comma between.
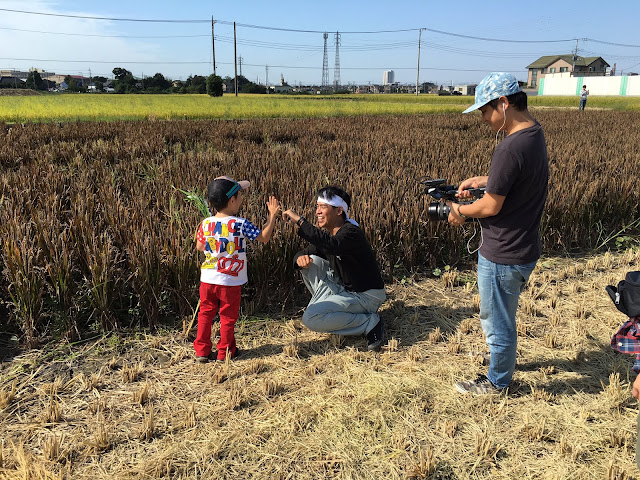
x: 626, y: 296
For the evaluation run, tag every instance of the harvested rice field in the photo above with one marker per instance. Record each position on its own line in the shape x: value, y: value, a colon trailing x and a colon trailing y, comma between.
x: 301, y: 405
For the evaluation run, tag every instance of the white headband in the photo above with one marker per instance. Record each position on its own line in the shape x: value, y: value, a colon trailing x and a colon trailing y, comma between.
x: 337, y: 201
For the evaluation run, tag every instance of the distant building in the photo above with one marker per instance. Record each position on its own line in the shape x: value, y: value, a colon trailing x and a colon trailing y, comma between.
x: 14, y: 73
x: 368, y: 89
x: 58, y: 79
x: 574, y: 66
x: 465, y: 89
x: 388, y: 77
x: 43, y: 73
x: 284, y: 87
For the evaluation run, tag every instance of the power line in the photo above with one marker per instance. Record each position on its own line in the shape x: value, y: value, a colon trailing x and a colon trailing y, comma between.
x: 223, y: 22
x: 263, y: 27
x: 611, y: 43
x: 300, y: 67
x: 104, y: 61
x: 100, y: 36
x: 488, y: 39
x: 295, y: 30
x: 111, y: 19
x: 311, y: 49
x: 296, y: 46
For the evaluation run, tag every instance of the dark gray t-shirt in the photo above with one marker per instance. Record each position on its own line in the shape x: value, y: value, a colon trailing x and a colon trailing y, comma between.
x: 520, y: 172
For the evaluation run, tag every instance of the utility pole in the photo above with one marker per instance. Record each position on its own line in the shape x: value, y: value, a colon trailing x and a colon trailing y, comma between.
x: 418, y: 72
x: 336, y: 68
x: 575, y: 57
x: 213, y: 45
x: 235, y: 56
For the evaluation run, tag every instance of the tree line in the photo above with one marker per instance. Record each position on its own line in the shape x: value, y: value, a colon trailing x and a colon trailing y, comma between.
x: 124, y: 82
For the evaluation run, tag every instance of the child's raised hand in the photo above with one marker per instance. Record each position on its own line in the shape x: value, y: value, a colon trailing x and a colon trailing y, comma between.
x: 273, y: 206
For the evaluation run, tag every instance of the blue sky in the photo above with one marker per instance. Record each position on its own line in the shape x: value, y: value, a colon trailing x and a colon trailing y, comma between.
x: 77, y: 45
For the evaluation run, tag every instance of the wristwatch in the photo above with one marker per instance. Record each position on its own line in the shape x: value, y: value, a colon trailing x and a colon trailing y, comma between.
x: 300, y: 220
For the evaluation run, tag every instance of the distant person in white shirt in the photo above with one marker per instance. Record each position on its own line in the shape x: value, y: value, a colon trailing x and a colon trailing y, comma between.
x: 583, y: 97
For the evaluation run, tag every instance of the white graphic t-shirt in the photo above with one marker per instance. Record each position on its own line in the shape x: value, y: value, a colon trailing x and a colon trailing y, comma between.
x: 225, y: 257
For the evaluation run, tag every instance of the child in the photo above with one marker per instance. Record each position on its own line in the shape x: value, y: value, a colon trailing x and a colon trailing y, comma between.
x: 222, y: 239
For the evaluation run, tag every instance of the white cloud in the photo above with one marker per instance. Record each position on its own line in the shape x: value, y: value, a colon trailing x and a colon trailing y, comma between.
x: 72, y: 54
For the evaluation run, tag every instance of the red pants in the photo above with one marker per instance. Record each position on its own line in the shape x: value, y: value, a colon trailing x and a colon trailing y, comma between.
x: 229, y: 300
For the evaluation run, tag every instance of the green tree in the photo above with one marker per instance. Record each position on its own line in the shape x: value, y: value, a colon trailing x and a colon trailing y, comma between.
x: 35, y: 82
x: 121, y: 73
x: 99, y: 82
x: 230, y: 82
x: 157, y: 84
x: 251, y: 87
x: 73, y: 85
x: 214, y: 85
x: 124, y: 81
x: 196, y: 84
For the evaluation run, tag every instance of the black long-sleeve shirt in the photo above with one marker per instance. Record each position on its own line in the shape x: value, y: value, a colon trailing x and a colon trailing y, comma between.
x: 348, y: 253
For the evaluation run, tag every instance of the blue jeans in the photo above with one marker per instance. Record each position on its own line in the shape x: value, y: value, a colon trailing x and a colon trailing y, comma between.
x: 583, y: 103
x: 500, y: 286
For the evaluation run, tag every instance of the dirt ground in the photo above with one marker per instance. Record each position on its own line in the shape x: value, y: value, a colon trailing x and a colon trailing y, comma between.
x: 21, y: 92
x: 302, y: 405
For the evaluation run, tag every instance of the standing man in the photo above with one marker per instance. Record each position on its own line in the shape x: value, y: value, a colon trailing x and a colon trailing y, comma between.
x: 340, y: 270
x: 583, y: 97
x: 509, y: 213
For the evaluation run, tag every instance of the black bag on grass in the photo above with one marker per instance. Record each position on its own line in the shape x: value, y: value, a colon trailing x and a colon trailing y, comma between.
x: 626, y: 296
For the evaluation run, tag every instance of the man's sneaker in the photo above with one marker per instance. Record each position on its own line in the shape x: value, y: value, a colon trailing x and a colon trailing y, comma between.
x: 375, y: 338
x: 480, y: 386
x: 206, y: 359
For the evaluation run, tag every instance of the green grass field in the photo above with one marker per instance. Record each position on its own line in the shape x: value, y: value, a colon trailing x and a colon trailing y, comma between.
x: 71, y: 107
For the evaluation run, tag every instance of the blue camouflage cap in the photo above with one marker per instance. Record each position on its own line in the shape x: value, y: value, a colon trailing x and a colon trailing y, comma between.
x: 494, y: 85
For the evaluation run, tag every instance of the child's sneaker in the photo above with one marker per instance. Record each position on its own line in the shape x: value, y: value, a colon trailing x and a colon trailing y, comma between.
x: 231, y: 357
x: 206, y: 359
x: 480, y: 386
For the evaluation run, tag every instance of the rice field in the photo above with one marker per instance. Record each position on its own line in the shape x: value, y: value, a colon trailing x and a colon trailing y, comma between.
x: 71, y: 107
x: 92, y: 107
x: 76, y: 250
x: 99, y: 279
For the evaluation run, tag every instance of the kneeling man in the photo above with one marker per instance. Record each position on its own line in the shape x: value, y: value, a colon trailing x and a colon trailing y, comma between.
x: 340, y: 270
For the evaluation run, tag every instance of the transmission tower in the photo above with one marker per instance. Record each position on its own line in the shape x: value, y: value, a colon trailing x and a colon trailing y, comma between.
x: 240, y: 63
x: 325, y: 64
x: 336, y: 68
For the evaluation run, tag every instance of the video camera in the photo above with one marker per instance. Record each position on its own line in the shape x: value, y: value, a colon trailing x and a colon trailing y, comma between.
x: 437, y: 189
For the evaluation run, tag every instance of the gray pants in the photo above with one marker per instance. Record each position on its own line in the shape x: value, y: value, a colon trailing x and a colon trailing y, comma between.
x: 333, y: 309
